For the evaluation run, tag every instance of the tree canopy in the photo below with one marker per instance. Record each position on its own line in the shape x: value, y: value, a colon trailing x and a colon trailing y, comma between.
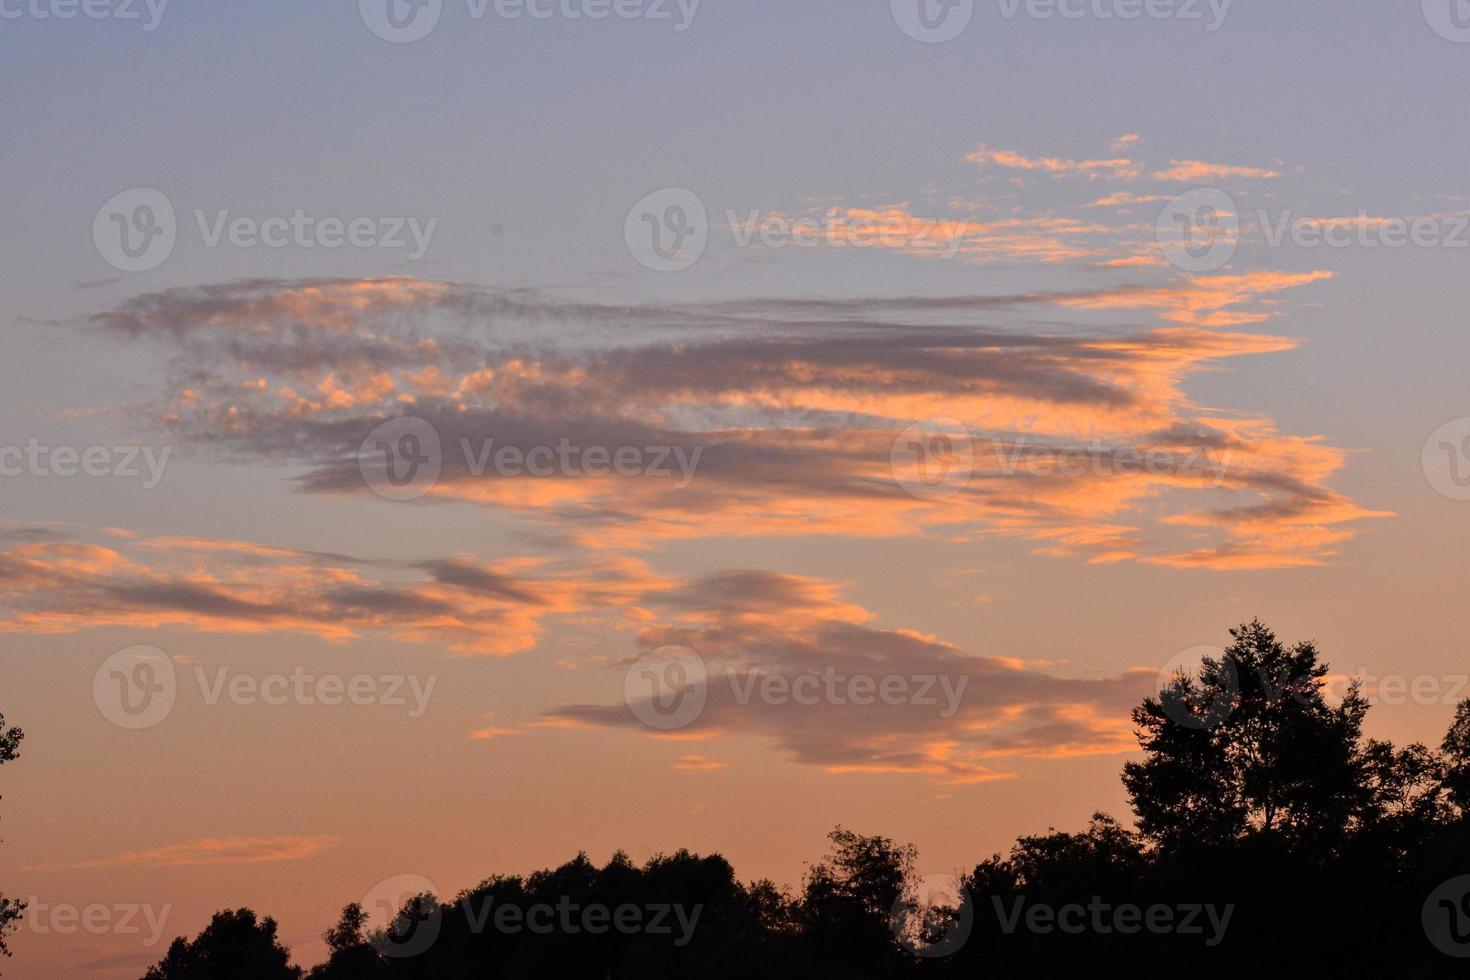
x: 1269, y: 836
x: 11, y: 911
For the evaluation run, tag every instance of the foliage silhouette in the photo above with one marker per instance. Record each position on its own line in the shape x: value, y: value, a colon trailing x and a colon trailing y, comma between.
x: 11, y: 911
x: 1289, y: 841
x: 234, y: 946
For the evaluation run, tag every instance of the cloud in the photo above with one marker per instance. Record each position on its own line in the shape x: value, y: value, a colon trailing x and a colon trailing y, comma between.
x: 490, y: 732
x: 206, y: 851
x: 1127, y: 199
x: 1117, y: 168
x: 790, y: 661
x: 1198, y: 171
x: 1210, y: 301
x: 1009, y: 239
x: 473, y: 607
x: 755, y: 417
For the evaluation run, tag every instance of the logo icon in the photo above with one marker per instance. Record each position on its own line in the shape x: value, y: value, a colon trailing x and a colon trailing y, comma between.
x: 405, y: 915
x: 668, y: 230
x: 1450, y: 19
x: 934, y: 917
x: 1446, y: 459
x: 400, y: 21
x: 1199, y: 230
x: 933, y: 459
x: 135, y: 230
x: 932, y: 21
x: 135, y: 688
x: 1446, y: 917
x: 401, y: 459
x: 1188, y: 663
x: 667, y: 689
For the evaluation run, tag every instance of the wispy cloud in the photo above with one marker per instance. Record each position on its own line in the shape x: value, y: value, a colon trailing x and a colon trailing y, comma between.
x: 792, y: 408
x: 206, y: 851
x: 60, y: 586
x: 1116, y: 168
x: 967, y: 714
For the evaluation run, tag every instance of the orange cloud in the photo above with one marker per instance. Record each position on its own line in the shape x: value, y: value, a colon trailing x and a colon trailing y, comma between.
x: 1198, y: 171
x: 1120, y: 168
x: 810, y: 682
x: 788, y: 425
x: 61, y: 586
x: 206, y: 851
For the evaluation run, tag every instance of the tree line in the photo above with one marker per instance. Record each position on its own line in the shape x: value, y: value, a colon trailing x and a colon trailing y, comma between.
x: 1268, y: 835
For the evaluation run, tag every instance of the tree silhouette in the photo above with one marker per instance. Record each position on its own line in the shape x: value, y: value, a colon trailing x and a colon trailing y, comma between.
x: 11, y: 911
x: 351, y: 954
x: 234, y: 946
x: 1320, y: 851
x: 848, y: 901
x: 1456, y: 749
x: 1251, y: 745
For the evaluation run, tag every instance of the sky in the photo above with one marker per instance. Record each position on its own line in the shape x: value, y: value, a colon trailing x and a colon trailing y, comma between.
x: 439, y: 439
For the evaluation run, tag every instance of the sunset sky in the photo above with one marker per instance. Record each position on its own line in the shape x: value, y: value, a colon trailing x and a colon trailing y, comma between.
x: 899, y: 241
